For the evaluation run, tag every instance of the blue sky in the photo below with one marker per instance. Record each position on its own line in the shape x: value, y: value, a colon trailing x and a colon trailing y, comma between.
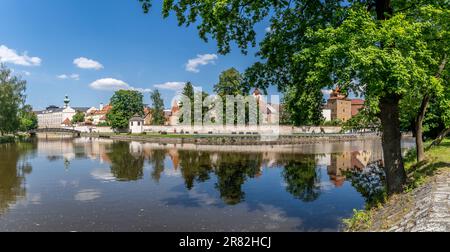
x: 114, y: 42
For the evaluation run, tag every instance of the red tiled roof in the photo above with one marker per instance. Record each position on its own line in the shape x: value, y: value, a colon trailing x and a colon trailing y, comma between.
x: 103, y: 111
x: 67, y: 122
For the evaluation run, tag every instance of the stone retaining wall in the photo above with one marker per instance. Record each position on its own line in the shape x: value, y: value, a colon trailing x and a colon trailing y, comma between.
x: 425, y: 209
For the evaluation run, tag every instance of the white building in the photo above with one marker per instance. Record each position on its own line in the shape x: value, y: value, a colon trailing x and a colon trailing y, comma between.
x: 326, y: 113
x: 55, y: 117
x: 136, y: 125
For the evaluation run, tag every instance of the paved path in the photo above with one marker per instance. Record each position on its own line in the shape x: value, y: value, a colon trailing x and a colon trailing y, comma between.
x: 425, y: 209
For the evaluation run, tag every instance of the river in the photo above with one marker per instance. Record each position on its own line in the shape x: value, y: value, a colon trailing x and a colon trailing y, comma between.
x: 90, y: 184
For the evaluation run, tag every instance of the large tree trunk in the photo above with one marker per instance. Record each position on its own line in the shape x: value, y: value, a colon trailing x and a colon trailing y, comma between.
x: 390, y: 123
x: 391, y: 142
x: 419, y: 129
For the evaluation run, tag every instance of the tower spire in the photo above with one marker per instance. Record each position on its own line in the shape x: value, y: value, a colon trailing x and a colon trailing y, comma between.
x: 66, y: 101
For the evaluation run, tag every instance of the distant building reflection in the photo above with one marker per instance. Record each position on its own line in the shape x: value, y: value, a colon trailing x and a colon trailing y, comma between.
x: 345, y: 161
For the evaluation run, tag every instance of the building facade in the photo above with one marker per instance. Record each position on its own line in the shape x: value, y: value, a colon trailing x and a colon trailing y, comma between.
x: 341, y: 108
x: 56, y: 117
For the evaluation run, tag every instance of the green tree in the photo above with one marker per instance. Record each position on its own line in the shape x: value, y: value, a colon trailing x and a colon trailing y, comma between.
x: 188, y: 92
x: 230, y: 83
x: 158, y: 108
x: 78, y: 117
x: 12, y: 98
x: 125, y: 104
x: 304, y: 107
x: 378, y: 48
x: 28, y: 119
x: 194, y: 96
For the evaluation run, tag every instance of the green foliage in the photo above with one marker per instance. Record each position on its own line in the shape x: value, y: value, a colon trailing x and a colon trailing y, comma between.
x: 304, y: 106
x: 125, y: 104
x: 230, y: 83
x: 335, y: 122
x: 193, y: 96
x: 158, y: 108
x: 363, y: 120
x: 28, y: 119
x: 103, y: 124
x: 361, y: 220
x: 78, y: 117
x: 7, y: 139
x: 12, y: 98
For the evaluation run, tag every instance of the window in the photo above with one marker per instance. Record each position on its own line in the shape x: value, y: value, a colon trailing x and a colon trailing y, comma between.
x: 139, y: 123
x: 131, y: 123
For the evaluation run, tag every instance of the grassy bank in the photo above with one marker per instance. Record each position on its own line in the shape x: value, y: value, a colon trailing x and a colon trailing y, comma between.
x: 419, y: 174
x: 7, y: 139
x: 14, y: 138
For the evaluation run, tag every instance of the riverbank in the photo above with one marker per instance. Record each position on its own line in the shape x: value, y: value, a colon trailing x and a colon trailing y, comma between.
x: 240, y: 139
x: 425, y: 204
x: 7, y: 139
x: 13, y: 138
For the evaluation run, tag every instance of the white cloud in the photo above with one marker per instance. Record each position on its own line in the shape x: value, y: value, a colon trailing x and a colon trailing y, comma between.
x: 111, y: 84
x: 201, y: 60
x: 171, y: 85
x: 11, y: 56
x: 268, y: 29
x: 103, y: 175
x: 88, y: 195
x: 86, y: 63
x: 175, y: 86
x: 65, y: 76
x: 26, y: 73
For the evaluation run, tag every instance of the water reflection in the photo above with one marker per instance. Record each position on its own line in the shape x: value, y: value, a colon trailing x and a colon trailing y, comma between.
x: 289, y: 180
x: 125, y: 164
x: 13, y: 170
x: 302, y: 178
x: 232, y: 170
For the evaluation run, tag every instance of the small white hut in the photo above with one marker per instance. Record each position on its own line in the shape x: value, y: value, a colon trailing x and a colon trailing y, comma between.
x: 136, y: 124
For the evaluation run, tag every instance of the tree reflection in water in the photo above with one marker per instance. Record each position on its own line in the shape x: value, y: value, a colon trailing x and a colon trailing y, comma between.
x: 302, y: 178
x: 195, y: 167
x: 12, y: 173
x: 126, y: 166
x: 232, y: 170
x: 157, y: 161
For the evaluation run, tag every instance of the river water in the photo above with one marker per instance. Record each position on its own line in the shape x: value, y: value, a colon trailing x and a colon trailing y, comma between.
x: 90, y: 184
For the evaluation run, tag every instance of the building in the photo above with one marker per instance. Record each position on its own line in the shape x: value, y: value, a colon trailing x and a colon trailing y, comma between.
x: 326, y: 114
x: 270, y: 112
x: 98, y: 116
x: 56, y: 117
x: 148, y: 116
x: 357, y: 105
x: 136, y: 124
x: 341, y: 108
